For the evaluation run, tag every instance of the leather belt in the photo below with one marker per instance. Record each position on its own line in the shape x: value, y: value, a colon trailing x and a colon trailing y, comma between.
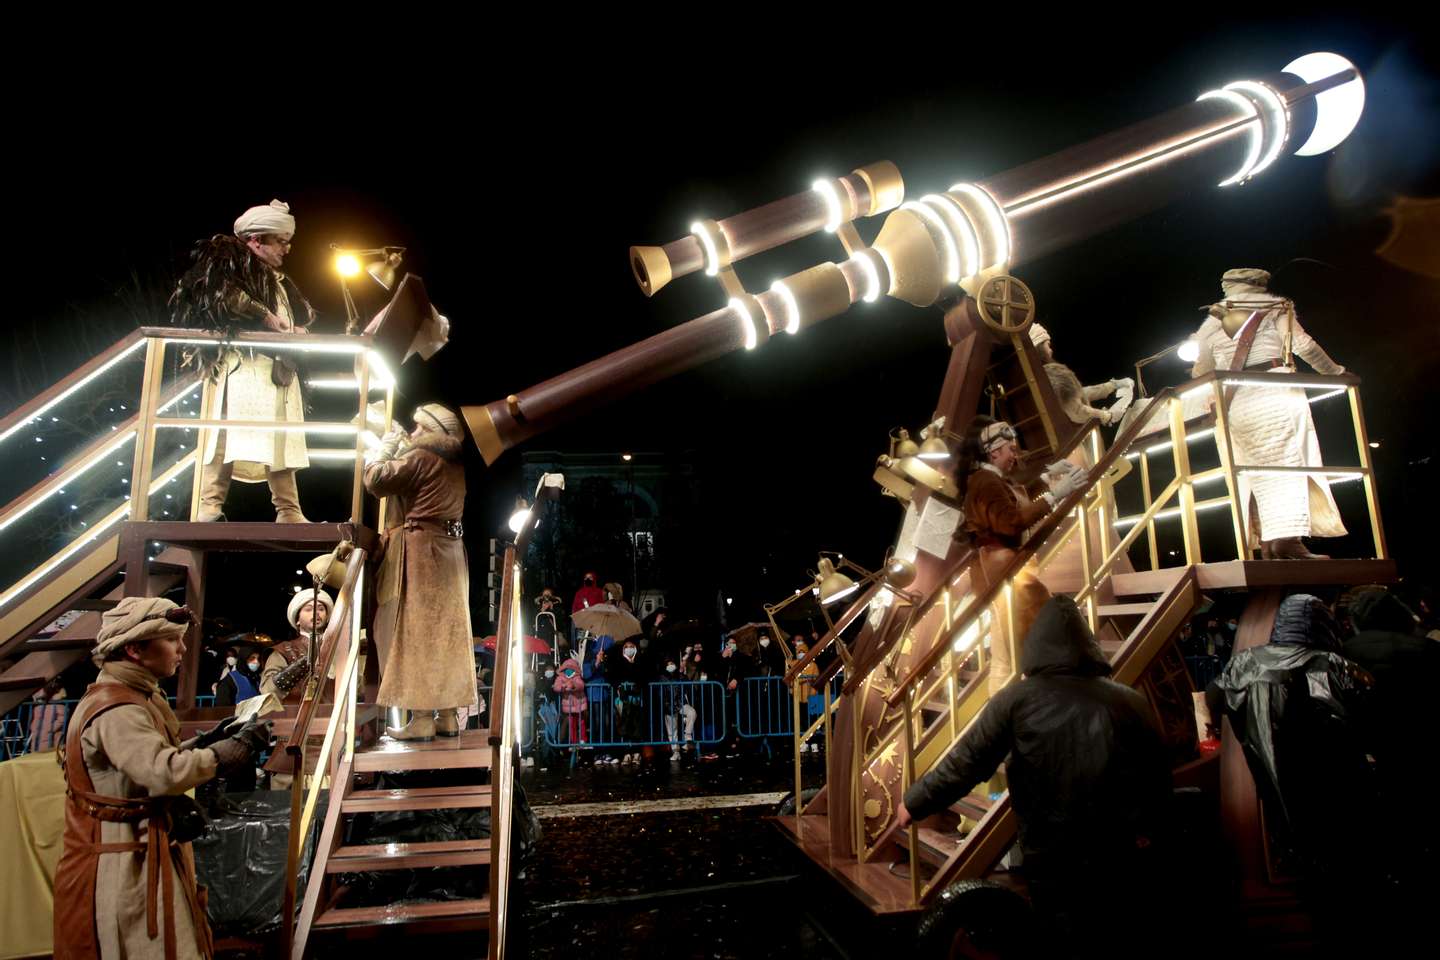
x: 446, y: 528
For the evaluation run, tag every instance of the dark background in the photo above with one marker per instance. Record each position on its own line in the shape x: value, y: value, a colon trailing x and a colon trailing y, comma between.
x: 517, y: 168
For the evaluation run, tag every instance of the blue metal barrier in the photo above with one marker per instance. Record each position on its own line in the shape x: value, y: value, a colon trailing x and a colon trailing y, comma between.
x: 669, y: 709
x: 763, y: 708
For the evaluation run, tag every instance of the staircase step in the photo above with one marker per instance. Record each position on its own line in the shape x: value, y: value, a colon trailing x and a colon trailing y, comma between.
x: 937, y: 846
x: 1124, y: 609
x: 421, y: 798
x: 974, y: 806
x: 470, y: 749
x: 408, y: 856
x: 398, y: 913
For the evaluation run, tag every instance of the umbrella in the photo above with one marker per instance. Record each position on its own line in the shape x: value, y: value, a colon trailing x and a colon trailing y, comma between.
x: 606, y: 619
x: 532, y: 644
x: 747, y: 638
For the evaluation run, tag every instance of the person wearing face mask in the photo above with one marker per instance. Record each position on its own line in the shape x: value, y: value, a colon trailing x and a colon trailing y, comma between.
x: 806, y: 689
x: 241, y: 683
x: 573, y: 706
x: 231, y: 661
x: 736, y: 667
x: 629, y: 683
x: 677, y: 708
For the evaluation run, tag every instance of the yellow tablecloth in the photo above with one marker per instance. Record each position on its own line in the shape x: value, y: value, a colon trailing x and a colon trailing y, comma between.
x: 32, y: 824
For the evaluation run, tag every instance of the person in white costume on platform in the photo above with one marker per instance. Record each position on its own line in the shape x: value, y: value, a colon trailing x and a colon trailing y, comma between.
x: 1253, y: 329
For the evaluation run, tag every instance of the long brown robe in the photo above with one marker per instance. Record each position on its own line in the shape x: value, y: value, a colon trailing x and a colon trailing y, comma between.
x: 997, y: 513
x: 111, y: 901
x: 422, y: 623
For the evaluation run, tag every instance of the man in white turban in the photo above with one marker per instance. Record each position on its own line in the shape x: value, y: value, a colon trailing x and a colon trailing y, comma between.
x: 237, y: 284
x: 1253, y: 329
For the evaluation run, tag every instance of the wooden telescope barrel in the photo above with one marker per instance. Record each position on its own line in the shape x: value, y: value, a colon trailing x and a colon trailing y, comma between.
x: 1224, y: 137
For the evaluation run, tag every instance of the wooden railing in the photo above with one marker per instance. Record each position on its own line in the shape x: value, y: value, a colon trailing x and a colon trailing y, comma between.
x: 505, y: 705
x: 333, y: 761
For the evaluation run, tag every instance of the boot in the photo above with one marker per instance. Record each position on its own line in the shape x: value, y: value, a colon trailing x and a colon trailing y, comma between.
x: 1293, y: 548
x: 214, y: 486
x: 285, y: 494
x: 447, y: 723
x: 420, y: 729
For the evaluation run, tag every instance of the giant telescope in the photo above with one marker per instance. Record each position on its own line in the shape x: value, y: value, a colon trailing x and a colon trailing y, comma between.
x: 941, y: 243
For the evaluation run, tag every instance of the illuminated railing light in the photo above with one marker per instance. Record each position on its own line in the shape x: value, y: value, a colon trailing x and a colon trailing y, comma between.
x: 1257, y: 132
x: 70, y: 390
x: 834, y: 209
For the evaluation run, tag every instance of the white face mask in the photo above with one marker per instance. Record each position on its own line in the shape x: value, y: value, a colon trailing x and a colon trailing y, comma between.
x: 549, y: 674
x: 764, y: 641
x: 704, y: 676
x: 669, y: 668
x: 629, y: 653
x: 229, y: 661
x: 253, y: 664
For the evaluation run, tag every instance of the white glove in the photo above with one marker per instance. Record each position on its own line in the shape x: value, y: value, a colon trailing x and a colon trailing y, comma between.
x: 390, y: 443
x: 1063, y: 478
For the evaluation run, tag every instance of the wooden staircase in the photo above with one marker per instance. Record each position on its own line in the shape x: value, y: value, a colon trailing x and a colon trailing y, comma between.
x: 325, y: 907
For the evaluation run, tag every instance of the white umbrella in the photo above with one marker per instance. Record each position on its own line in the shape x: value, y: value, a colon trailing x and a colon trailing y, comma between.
x: 606, y: 619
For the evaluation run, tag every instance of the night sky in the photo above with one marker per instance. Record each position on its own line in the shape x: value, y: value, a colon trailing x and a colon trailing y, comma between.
x: 518, y: 172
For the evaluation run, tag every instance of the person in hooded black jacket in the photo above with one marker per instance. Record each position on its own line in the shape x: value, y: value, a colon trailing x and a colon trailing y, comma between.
x: 1088, y: 773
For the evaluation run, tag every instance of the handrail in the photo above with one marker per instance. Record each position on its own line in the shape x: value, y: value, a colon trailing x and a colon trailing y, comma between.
x: 831, y: 635
x: 336, y: 342
x: 1047, y: 527
x: 329, y: 643
x: 68, y: 384
x: 292, y: 756
x: 503, y: 732
x: 123, y: 433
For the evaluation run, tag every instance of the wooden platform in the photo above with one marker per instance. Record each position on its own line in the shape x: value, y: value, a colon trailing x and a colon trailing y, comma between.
x: 470, y: 749
x: 225, y: 535
x: 1245, y: 575
x: 871, y: 883
x: 453, y: 914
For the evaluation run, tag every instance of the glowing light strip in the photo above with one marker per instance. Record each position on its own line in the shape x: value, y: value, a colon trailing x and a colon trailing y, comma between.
x: 747, y: 322
x: 258, y: 425
x: 952, y: 253
x: 998, y: 226
x: 962, y: 228
x: 712, y: 256
x: 1279, y: 128
x: 180, y: 396
x: 324, y: 453
x: 105, y: 524
x: 344, y: 383
x: 68, y: 477
x: 834, y: 209
x: 1350, y: 474
x: 377, y: 363
x: 1326, y: 396
x: 872, y: 276
x: 298, y: 347
x: 70, y: 390
x: 1258, y: 131
x: 1276, y: 381
x: 1089, y: 179
x: 792, y: 309
x: 1172, y: 513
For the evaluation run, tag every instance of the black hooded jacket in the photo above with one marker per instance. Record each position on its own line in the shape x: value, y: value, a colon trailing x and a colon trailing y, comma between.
x: 1087, y: 767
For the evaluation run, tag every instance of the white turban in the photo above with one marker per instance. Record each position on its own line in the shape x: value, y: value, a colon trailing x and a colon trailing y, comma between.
x: 303, y: 597
x: 1038, y: 334
x: 134, y: 620
x: 1244, y: 280
x: 274, y: 217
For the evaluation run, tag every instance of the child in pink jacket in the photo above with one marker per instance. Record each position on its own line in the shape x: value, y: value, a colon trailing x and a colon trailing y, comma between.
x: 571, y: 687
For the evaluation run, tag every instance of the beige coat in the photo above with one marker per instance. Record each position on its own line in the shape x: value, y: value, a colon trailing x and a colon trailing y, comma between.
x: 245, y: 391
x: 422, y: 622
x: 127, y: 757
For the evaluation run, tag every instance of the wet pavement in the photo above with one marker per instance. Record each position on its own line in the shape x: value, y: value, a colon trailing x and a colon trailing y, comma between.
x: 672, y: 862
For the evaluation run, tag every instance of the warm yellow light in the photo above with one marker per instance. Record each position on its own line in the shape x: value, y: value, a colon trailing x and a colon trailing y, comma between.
x: 792, y: 308
x: 347, y: 264
x: 747, y: 322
